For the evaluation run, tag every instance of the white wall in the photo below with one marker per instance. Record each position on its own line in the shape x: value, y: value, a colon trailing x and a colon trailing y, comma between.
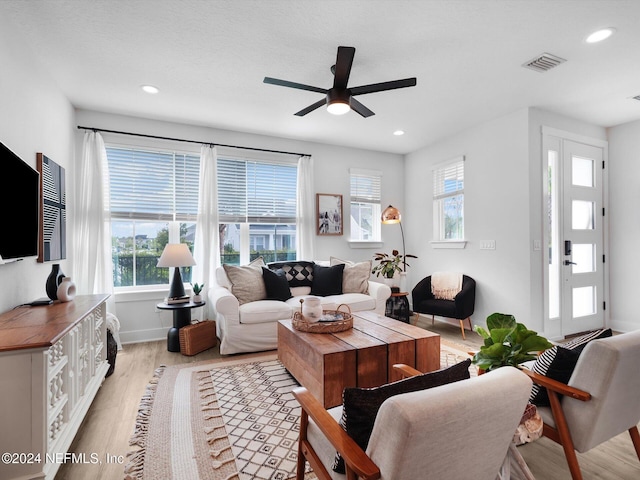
x: 137, y: 314
x: 35, y: 117
x: 496, y: 205
x: 624, y: 225
x: 503, y: 202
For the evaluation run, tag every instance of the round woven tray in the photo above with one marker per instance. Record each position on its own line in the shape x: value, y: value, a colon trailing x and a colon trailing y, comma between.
x: 299, y: 323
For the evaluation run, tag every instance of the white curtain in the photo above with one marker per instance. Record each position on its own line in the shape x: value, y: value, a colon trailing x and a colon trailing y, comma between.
x: 305, y: 214
x: 92, y: 264
x: 206, y: 248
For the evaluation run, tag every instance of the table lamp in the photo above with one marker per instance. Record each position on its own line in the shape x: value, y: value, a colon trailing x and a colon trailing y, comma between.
x: 392, y: 215
x: 176, y: 255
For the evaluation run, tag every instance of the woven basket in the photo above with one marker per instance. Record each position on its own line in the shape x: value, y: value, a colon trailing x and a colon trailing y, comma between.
x: 299, y: 323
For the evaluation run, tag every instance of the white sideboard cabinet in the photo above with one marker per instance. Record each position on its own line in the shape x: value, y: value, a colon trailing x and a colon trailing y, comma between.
x: 52, y: 363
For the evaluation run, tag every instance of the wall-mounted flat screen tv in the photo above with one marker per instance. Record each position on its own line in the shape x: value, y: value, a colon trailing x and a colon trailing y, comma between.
x: 19, y: 207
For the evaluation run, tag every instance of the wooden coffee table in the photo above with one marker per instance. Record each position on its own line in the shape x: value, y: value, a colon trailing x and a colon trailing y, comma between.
x: 326, y: 363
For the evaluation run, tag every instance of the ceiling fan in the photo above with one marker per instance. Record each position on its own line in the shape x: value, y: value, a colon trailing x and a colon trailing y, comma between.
x: 339, y: 98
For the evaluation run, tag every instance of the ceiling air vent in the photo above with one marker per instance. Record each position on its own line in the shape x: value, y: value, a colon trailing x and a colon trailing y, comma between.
x: 543, y: 62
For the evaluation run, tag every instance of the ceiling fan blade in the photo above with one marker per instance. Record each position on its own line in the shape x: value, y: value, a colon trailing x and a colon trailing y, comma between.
x: 299, y: 86
x: 357, y: 107
x: 344, y: 60
x: 311, y: 108
x: 380, y: 87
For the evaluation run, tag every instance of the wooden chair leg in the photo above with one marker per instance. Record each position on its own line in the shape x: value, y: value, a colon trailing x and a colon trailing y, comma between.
x: 302, y: 461
x: 635, y: 438
x: 470, y: 326
x: 462, y: 329
x: 564, y: 435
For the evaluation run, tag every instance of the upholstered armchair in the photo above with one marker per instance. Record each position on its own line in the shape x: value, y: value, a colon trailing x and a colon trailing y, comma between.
x: 461, y: 307
x: 414, y: 434
x: 600, y: 400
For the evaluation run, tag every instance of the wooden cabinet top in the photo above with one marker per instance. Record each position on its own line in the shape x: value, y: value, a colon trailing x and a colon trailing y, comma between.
x: 41, y: 327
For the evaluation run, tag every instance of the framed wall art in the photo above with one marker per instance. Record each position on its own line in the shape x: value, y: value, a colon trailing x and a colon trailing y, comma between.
x: 329, y: 214
x: 53, y: 210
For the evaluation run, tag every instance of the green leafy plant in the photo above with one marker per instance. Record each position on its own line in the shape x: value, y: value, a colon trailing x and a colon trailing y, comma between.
x: 197, y: 288
x: 390, y: 264
x: 507, y: 343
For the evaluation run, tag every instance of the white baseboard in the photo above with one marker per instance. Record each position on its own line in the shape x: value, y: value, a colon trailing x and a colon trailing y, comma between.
x: 141, y: 336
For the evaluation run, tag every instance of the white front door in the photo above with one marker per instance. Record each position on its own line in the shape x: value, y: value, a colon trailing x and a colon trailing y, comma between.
x: 576, y: 234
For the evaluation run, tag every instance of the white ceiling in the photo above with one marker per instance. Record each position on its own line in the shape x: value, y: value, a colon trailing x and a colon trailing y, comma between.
x: 209, y: 59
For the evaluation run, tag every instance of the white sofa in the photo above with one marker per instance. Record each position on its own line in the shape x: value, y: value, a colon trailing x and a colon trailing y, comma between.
x: 252, y: 326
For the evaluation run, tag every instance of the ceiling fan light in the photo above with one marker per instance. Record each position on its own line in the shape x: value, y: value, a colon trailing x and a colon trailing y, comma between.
x: 338, y: 108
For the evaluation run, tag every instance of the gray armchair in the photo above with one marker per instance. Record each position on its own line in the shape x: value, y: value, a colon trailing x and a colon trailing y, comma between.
x: 414, y: 433
x: 600, y: 400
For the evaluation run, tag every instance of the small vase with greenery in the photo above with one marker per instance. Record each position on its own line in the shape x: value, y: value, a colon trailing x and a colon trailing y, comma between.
x: 390, y: 264
x: 197, y: 289
x: 507, y: 343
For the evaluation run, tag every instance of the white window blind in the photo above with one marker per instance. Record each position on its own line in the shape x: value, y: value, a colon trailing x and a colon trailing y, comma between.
x: 365, y: 204
x: 153, y: 185
x: 256, y: 192
x: 365, y: 185
x: 448, y: 179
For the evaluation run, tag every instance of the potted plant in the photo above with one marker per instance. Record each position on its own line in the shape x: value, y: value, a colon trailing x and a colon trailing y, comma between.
x: 507, y: 342
x: 197, y: 289
x: 390, y: 264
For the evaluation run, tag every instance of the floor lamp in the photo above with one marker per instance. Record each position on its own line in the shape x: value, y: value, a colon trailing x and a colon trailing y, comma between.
x: 392, y: 215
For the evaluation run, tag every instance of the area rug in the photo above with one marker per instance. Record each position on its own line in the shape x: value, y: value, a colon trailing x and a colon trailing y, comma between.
x: 223, y: 420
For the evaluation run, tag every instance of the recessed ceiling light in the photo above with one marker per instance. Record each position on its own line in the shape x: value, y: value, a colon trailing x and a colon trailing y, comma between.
x: 150, y: 89
x: 397, y: 133
x: 600, y: 35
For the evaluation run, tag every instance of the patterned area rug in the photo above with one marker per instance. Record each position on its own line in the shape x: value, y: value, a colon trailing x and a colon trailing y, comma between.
x: 223, y: 420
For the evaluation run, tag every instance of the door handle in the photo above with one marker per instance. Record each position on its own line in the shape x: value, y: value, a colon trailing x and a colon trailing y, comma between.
x: 568, y: 262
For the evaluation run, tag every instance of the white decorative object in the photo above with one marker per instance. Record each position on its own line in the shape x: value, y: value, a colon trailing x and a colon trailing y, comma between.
x: 311, y: 309
x: 197, y: 299
x: 66, y: 290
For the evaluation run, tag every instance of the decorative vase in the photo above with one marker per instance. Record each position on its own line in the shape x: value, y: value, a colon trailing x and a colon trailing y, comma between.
x: 311, y: 309
x: 197, y: 299
x: 53, y: 280
x: 66, y: 290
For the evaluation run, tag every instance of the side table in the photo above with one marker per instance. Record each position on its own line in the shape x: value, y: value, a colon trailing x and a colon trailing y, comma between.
x: 398, y: 306
x: 181, y: 318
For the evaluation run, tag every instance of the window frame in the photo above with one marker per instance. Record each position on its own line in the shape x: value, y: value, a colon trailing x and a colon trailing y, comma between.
x: 371, y: 197
x: 450, y: 169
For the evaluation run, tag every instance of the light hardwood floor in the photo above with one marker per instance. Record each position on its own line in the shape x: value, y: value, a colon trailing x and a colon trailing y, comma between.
x: 109, y: 423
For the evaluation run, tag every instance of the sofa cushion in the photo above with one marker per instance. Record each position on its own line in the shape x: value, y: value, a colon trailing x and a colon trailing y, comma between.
x: 247, y: 284
x: 357, y: 301
x: 264, y: 311
x: 361, y: 405
x: 355, y: 278
x: 298, y: 273
x: 558, y: 363
x: 327, y: 280
x: 276, y: 284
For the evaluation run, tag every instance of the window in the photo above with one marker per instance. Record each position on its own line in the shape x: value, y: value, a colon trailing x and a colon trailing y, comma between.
x: 257, y: 210
x: 365, y: 205
x: 154, y: 201
x: 448, y: 200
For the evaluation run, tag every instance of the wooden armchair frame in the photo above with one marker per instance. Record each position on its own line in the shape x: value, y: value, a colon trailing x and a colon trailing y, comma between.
x: 357, y: 464
x: 561, y: 433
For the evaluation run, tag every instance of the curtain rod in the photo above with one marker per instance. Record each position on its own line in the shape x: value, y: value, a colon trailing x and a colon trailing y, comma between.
x: 192, y: 141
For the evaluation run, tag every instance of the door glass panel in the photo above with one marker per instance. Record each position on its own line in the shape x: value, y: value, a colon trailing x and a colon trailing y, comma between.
x: 583, y: 254
x: 554, y: 234
x: 584, y: 301
x: 582, y: 215
x: 582, y: 172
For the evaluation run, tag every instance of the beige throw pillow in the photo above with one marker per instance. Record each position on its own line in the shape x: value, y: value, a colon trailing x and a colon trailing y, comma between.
x: 246, y: 281
x: 355, y: 278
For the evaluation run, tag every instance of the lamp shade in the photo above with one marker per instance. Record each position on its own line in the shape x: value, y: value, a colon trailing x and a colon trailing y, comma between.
x: 391, y: 215
x: 176, y: 255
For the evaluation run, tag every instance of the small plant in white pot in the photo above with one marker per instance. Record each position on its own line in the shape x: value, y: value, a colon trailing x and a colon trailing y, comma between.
x: 197, y: 289
x: 389, y: 265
